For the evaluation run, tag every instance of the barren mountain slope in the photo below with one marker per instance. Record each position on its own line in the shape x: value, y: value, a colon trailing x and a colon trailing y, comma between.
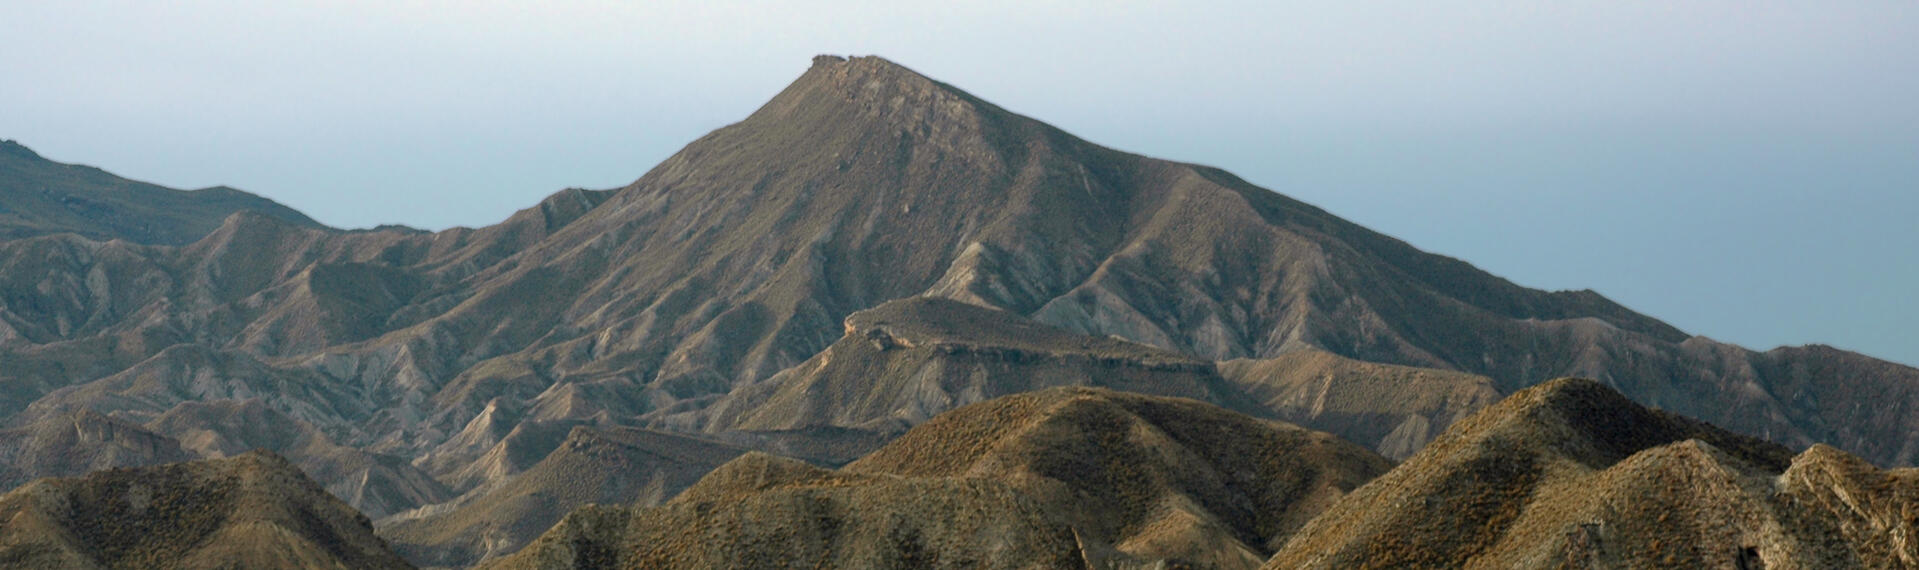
x: 138, y: 330
x: 1395, y: 410
x: 376, y: 484
x: 907, y: 360
x: 864, y: 182
x: 249, y: 511
x: 1572, y: 474
x: 619, y: 466
x: 1064, y: 477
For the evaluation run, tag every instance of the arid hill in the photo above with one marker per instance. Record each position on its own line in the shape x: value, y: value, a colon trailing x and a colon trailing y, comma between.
x: 251, y: 511
x: 1067, y: 477
x: 1571, y: 474
x: 40, y: 196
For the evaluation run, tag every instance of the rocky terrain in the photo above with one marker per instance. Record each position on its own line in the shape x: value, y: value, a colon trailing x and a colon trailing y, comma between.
x: 870, y: 249
x: 251, y: 511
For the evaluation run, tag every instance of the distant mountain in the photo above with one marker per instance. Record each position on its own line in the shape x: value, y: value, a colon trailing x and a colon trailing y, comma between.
x: 40, y: 196
x: 249, y: 511
x: 1065, y: 477
x: 1571, y: 474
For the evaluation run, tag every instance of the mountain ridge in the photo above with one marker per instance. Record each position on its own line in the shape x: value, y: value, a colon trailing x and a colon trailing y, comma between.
x: 39, y: 196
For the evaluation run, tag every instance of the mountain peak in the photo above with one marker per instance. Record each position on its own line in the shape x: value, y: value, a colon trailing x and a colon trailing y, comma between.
x: 9, y: 147
x: 871, y: 95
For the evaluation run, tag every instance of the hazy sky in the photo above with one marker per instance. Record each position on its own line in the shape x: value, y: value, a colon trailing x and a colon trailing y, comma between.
x: 1744, y: 170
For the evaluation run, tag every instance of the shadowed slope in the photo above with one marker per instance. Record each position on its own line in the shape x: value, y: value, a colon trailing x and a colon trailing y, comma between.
x: 249, y: 511
x: 1058, y: 478
x: 40, y: 196
x: 1572, y: 474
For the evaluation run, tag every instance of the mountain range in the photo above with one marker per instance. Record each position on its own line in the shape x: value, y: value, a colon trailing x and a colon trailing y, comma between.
x: 794, y: 297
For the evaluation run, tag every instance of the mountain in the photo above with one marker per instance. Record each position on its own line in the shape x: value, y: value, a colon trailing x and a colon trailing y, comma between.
x: 1573, y: 474
x: 622, y: 466
x: 676, y: 302
x: 1067, y: 477
x: 249, y: 511
x: 40, y: 196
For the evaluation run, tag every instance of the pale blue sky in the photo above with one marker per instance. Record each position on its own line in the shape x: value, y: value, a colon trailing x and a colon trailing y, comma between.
x: 1744, y: 170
